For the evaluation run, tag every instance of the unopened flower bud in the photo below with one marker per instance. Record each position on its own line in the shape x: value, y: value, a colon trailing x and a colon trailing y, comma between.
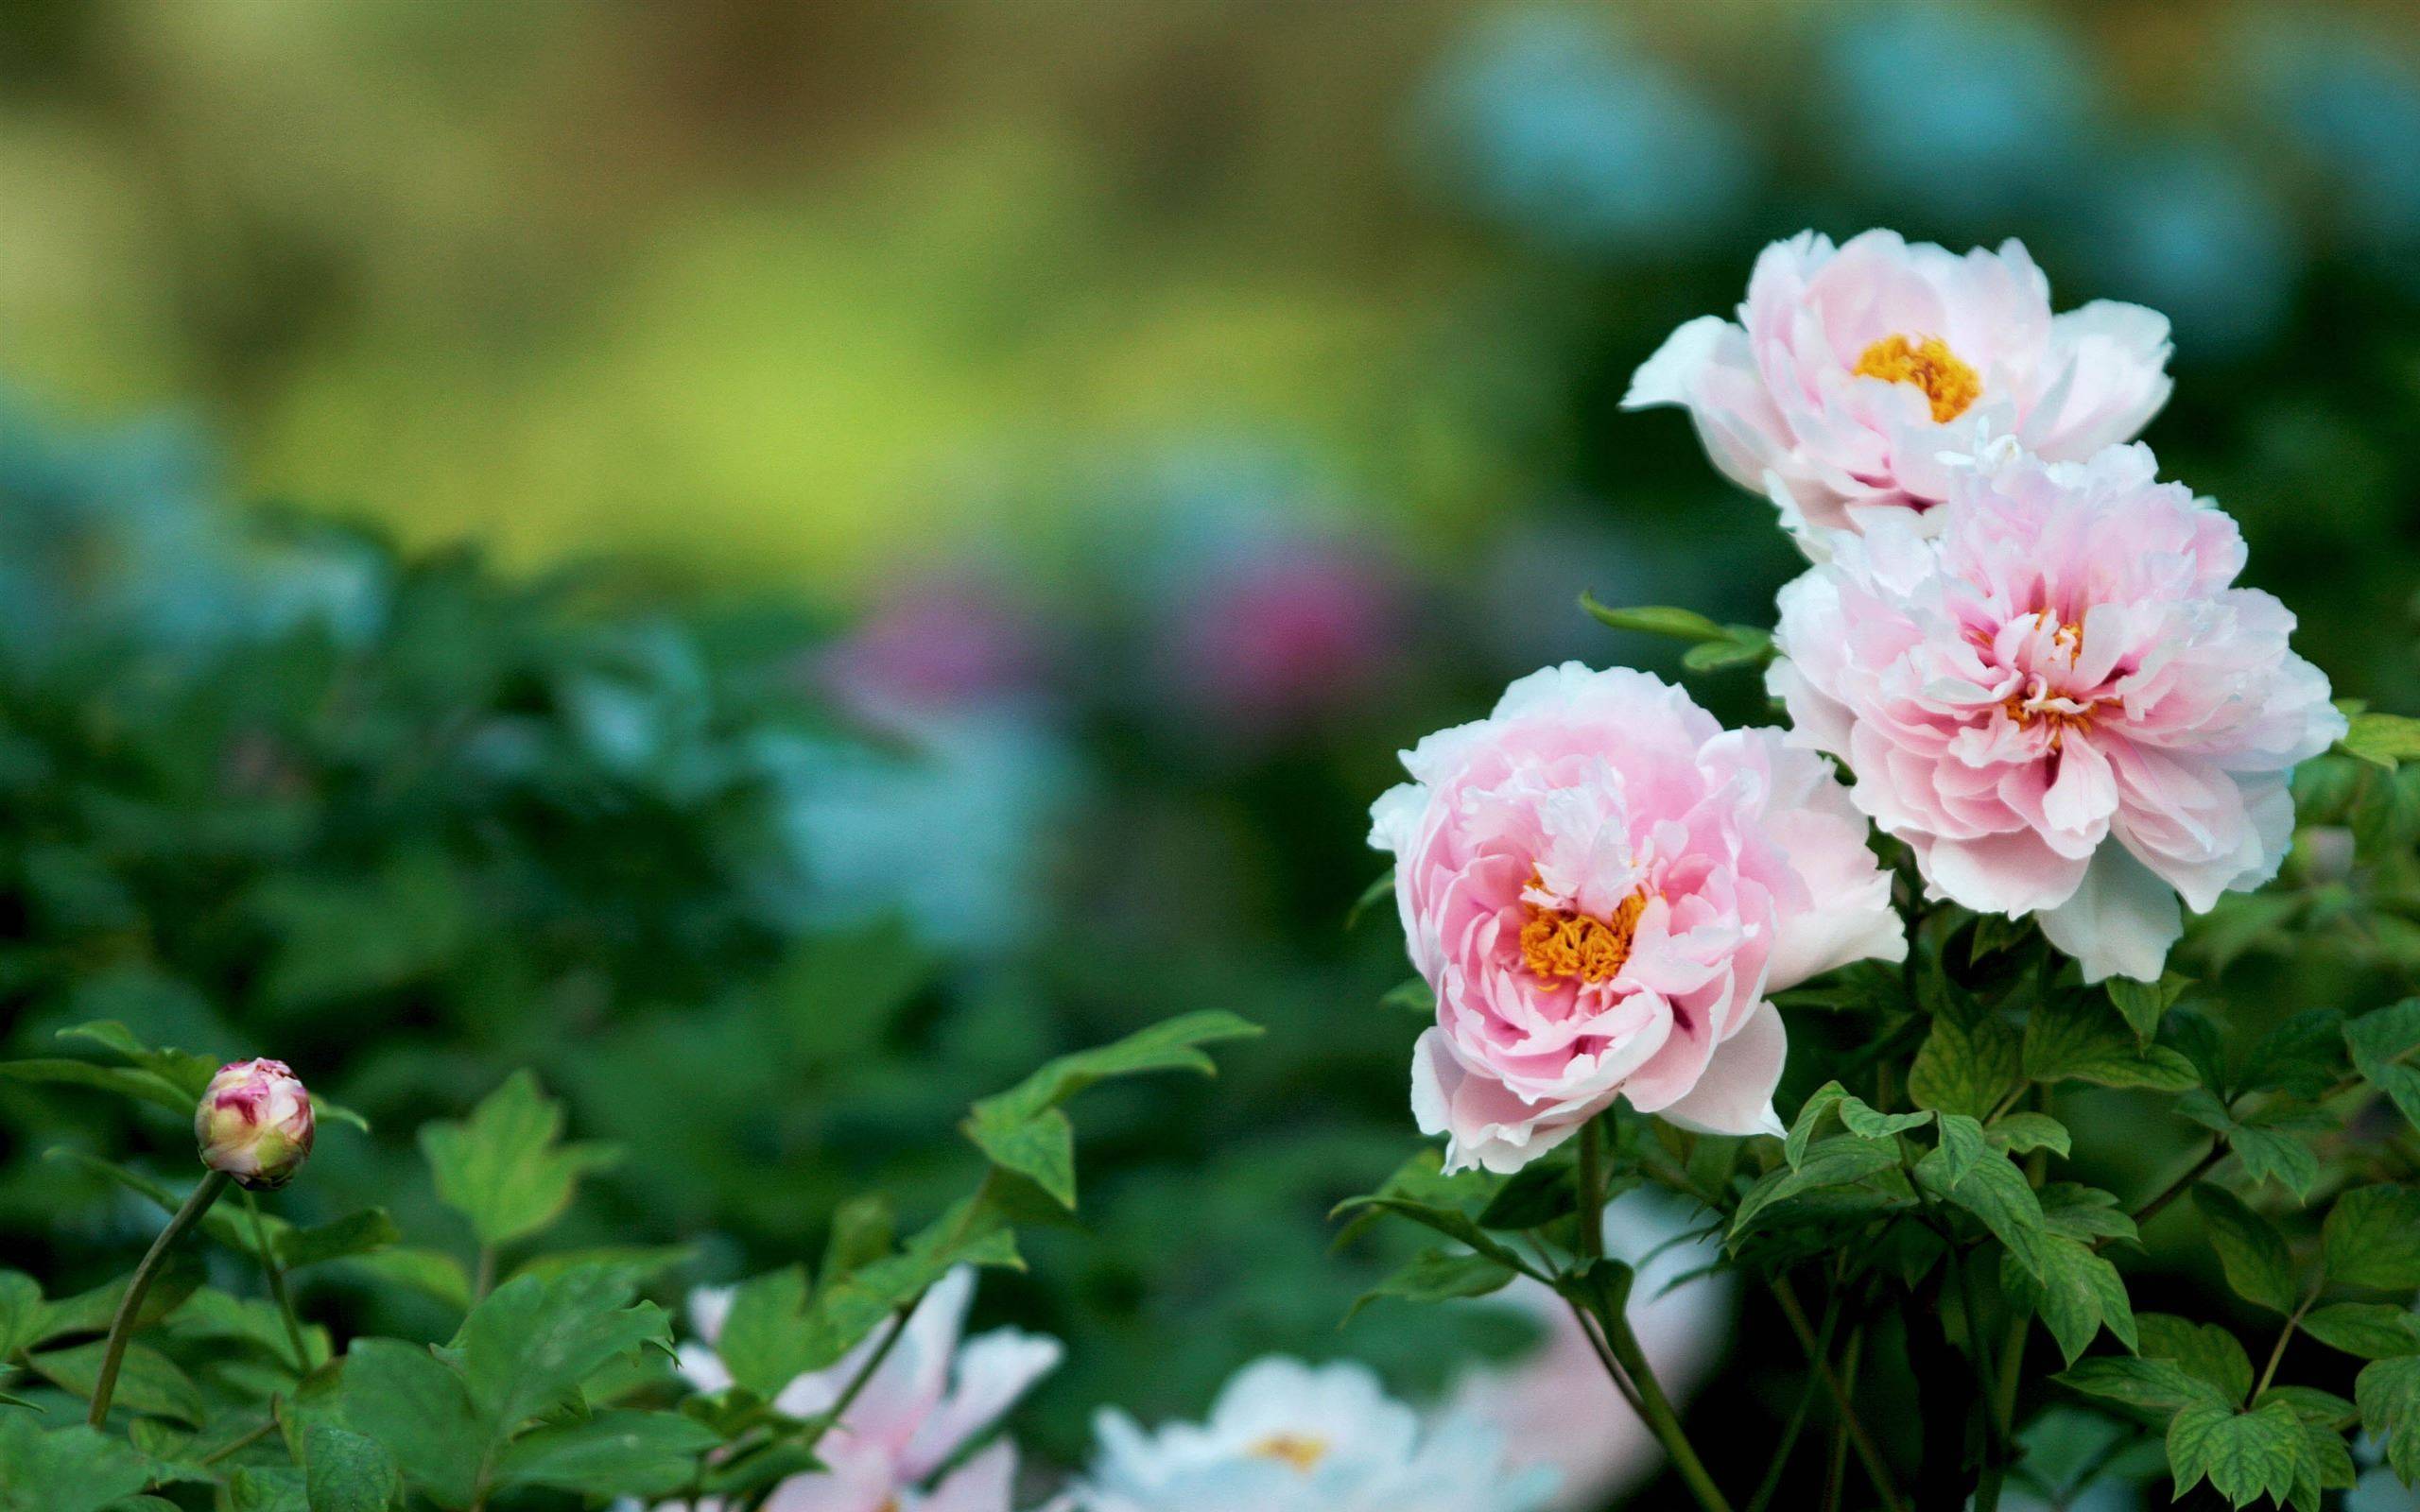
x: 255, y: 1124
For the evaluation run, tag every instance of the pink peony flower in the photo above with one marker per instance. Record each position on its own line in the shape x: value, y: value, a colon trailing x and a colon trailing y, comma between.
x: 254, y: 1122
x: 2061, y: 704
x: 923, y: 1404
x: 1600, y: 884
x: 1855, y: 373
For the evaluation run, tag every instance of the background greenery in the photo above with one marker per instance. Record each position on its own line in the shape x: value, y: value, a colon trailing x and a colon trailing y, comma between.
x: 627, y: 361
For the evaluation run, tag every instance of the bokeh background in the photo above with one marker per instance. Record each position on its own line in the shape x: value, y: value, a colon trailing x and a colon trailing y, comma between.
x: 781, y: 563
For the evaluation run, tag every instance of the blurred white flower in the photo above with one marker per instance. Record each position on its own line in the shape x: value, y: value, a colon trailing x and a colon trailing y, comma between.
x: 1285, y: 1436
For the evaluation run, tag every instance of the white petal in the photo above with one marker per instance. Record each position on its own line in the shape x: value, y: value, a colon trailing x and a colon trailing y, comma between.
x: 2120, y: 921
x: 1736, y: 1093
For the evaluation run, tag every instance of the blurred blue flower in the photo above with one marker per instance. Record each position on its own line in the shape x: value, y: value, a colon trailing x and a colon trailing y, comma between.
x: 1966, y: 115
x: 1548, y: 123
x: 2190, y: 230
x: 117, y: 536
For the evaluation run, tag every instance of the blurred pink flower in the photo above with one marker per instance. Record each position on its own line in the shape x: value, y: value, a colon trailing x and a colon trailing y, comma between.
x: 1854, y: 373
x: 921, y: 1406
x: 946, y: 642
x: 1600, y: 884
x: 2062, y: 704
x: 1556, y: 1407
x: 254, y: 1122
x: 1279, y: 634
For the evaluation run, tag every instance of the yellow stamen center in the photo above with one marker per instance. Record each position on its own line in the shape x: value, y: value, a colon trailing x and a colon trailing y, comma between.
x: 1928, y: 363
x: 1559, y: 944
x: 1297, y: 1450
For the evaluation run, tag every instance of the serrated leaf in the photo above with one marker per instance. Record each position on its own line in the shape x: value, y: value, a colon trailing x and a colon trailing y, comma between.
x: 1842, y: 1160
x: 1023, y: 1130
x: 2023, y: 1133
x: 503, y: 1168
x: 1438, y: 1276
x: 2250, y: 1250
x: 1998, y: 1192
x: 2388, y: 1392
x: 2141, y: 1004
x: 2245, y: 1454
x: 2158, y: 1387
x: 2275, y: 1155
x: 348, y: 1472
x: 2302, y: 1056
x: 2372, y: 1238
x: 2372, y: 1331
x: 1966, y: 1069
x: 2084, y: 1213
x: 1963, y: 1145
x: 609, y: 1453
x: 2076, y: 1037
x: 148, y: 1382
x: 70, y: 1469
x: 2079, y: 1293
x: 2205, y: 1350
x: 767, y: 1340
x: 2377, y: 1040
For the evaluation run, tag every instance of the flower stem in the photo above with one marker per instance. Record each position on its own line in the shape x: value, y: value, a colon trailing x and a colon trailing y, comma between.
x: 1840, y: 1387
x: 1657, y: 1409
x: 277, y: 1288
x: 1780, y: 1461
x: 205, y: 1192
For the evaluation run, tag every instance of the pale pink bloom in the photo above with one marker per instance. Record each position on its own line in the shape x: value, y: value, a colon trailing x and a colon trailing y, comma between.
x: 2062, y: 704
x: 1600, y: 884
x: 927, y: 1401
x: 1854, y: 372
x: 254, y: 1122
x: 1557, y: 1408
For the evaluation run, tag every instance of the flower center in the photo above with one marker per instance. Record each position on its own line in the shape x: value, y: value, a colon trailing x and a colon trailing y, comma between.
x: 1559, y: 944
x: 1300, y: 1451
x: 1928, y: 363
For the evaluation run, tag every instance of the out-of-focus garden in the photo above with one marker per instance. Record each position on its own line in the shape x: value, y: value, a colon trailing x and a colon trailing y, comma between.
x: 778, y: 565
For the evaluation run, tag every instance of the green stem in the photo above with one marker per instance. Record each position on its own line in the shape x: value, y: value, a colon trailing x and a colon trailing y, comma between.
x: 1841, y: 1387
x: 205, y: 1192
x: 483, y: 1274
x: 236, y: 1446
x: 1836, y: 1473
x: 2285, y: 1335
x: 1790, y: 1429
x: 1657, y: 1409
x: 1591, y: 1189
x: 277, y: 1288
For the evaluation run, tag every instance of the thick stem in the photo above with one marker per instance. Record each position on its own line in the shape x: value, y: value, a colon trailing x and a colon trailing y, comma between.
x: 1657, y: 1409
x: 277, y: 1288
x: 1591, y: 1189
x: 205, y: 1192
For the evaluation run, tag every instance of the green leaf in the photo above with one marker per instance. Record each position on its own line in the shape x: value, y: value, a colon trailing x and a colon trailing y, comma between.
x: 1380, y: 889
x: 1438, y: 1276
x: 2372, y: 1238
x: 1537, y: 1194
x: 766, y: 1340
x: 266, y: 1489
x: 2276, y: 1154
x: 20, y: 1312
x: 970, y: 1232
x: 1998, y: 1192
x: 446, y: 1417
x: 1834, y: 1163
x: 2377, y: 1040
x: 2372, y: 1331
x: 1023, y: 1130
x: 2245, y: 1454
x: 1962, y: 1069
x: 610, y: 1453
x: 148, y: 1382
x: 348, y: 1472
x: 432, y: 1273
x: 2140, y: 1004
x: 2077, y: 1294
x: 2084, y: 1212
x: 1855, y: 1116
x: 1742, y: 645
x: 2158, y: 1387
x: 64, y: 1469
x: 142, y: 1086
x: 2204, y: 1350
x: 2023, y: 1133
x: 2250, y: 1248
x: 1963, y: 1145
x: 2389, y: 1394
x: 356, y: 1234
x: 2381, y: 739
x: 2076, y: 1036
x: 1676, y: 624
x: 2303, y: 1056
x: 503, y: 1168
x: 1412, y: 996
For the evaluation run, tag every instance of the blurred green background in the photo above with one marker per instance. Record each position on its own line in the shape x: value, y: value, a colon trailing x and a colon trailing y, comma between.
x: 780, y: 562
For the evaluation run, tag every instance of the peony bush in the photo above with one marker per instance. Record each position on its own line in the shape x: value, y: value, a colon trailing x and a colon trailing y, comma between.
x: 1848, y: 1027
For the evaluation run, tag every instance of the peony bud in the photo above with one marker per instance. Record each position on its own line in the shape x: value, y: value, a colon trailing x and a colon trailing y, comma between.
x: 255, y: 1124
